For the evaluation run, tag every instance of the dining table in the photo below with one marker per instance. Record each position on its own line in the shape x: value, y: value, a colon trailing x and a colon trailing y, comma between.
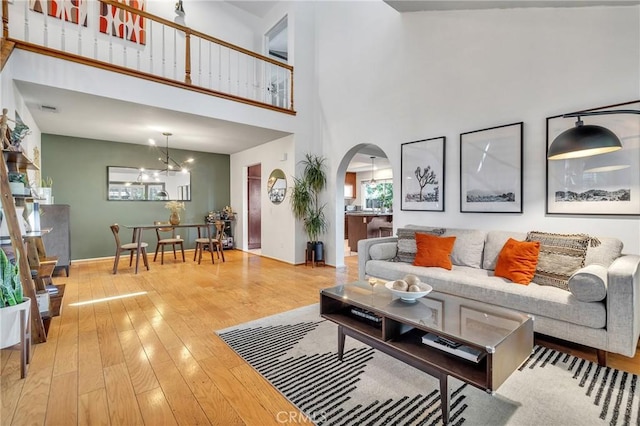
x: 137, y: 235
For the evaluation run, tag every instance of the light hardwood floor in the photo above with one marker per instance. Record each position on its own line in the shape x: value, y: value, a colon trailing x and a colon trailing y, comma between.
x: 154, y: 358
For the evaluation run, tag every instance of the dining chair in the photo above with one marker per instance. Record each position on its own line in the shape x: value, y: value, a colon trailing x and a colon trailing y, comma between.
x: 130, y: 247
x: 202, y: 242
x: 164, y: 240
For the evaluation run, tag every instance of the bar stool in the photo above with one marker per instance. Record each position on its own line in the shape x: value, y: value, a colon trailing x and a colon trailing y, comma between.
x: 385, y: 230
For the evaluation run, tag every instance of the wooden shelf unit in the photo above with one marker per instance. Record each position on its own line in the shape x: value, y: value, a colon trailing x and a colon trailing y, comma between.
x: 14, y: 161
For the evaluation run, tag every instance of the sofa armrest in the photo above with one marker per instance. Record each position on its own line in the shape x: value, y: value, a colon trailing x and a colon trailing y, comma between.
x: 623, y: 305
x: 363, y: 252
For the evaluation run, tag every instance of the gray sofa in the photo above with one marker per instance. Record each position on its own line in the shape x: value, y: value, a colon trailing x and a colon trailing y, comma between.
x: 609, y: 322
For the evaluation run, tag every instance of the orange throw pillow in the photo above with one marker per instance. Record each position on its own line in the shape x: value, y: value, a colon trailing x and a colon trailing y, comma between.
x: 433, y: 250
x: 517, y: 261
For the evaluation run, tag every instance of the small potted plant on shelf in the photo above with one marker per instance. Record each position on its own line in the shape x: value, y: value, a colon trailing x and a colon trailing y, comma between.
x: 306, y: 205
x: 175, y: 207
x: 17, y: 182
x: 45, y: 190
x: 12, y: 300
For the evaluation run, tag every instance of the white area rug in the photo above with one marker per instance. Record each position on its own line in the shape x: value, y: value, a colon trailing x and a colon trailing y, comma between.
x: 297, y: 352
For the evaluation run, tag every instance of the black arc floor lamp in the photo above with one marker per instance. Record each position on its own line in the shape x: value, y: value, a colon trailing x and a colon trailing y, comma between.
x: 585, y: 140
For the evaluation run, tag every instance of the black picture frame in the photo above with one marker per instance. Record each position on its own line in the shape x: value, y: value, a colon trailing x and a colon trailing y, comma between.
x: 604, y: 184
x: 422, y: 164
x: 491, y: 162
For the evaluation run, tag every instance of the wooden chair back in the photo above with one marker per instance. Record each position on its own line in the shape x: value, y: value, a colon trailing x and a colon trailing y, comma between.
x: 115, y: 228
x: 219, y: 230
x: 164, y: 230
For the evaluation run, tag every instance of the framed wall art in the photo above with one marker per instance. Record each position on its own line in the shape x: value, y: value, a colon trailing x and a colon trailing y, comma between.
x: 74, y: 11
x: 604, y: 184
x: 422, y: 184
x: 124, y: 24
x: 491, y: 170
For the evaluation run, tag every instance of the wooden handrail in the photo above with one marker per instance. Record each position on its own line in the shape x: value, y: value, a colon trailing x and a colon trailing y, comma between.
x: 5, y: 19
x: 134, y: 73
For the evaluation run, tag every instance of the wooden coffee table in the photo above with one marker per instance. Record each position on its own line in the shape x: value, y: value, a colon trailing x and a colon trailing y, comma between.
x: 500, y: 339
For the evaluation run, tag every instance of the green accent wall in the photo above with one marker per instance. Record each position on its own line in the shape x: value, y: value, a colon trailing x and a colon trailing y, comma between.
x: 79, y: 170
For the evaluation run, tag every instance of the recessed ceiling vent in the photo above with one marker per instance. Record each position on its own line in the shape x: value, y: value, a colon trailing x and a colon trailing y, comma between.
x: 49, y: 108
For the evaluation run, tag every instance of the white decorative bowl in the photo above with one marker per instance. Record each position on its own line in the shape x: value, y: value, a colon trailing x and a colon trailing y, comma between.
x: 409, y: 296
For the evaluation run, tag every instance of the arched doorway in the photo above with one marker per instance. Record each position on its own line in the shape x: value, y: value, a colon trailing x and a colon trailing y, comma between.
x: 364, y: 200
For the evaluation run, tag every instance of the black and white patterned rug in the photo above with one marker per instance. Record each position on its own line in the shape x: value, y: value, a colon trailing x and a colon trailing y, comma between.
x: 297, y: 352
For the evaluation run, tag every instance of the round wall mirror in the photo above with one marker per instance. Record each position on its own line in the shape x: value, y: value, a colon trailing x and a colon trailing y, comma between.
x: 277, y: 186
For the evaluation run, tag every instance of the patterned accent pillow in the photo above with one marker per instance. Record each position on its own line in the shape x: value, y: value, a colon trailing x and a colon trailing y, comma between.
x: 560, y: 256
x: 407, y: 248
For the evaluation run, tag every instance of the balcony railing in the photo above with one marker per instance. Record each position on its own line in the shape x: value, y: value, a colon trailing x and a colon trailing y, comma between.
x: 117, y: 37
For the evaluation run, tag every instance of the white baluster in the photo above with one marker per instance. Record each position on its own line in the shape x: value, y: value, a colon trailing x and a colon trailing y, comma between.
x: 26, y: 23
x: 219, y: 67
x: 210, y: 66
x: 164, y: 59
x: 151, y: 23
x: 175, y: 56
x: 199, y: 61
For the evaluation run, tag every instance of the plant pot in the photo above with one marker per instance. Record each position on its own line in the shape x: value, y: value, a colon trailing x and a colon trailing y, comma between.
x: 17, y: 188
x: 315, y: 249
x: 45, y: 196
x: 10, y: 323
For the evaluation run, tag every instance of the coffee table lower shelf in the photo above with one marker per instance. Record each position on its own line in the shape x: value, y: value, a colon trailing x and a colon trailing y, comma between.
x: 403, y: 340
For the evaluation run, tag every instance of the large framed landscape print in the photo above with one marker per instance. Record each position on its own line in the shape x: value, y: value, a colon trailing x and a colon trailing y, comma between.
x: 491, y: 170
x: 422, y: 184
x: 604, y: 184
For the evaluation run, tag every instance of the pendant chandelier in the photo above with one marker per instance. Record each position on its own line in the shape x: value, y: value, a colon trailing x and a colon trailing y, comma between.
x: 169, y: 163
x: 372, y: 181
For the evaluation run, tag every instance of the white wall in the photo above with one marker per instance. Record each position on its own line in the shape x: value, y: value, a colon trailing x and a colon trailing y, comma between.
x: 386, y: 78
x: 278, y: 225
x: 13, y: 101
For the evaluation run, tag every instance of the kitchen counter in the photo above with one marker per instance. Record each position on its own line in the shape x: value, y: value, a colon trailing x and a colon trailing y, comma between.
x: 361, y: 213
x: 363, y: 225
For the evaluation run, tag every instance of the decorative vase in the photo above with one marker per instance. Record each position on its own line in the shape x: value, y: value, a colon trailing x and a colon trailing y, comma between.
x: 174, y: 219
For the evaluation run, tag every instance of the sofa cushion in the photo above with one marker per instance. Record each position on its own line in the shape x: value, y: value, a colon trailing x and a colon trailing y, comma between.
x: 468, y: 248
x: 517, y: 261
x: 589, y: 284
x: 481, y: 285
x: 407, y: 241
x: 560, y: 256
x: 434, y: 250
x: 383, y: 251
x: 605, y: 253
x: 494, y: 242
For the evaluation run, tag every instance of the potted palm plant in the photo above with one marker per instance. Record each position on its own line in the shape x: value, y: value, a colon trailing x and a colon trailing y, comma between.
x: 12, y: 301
x: 306, y: 206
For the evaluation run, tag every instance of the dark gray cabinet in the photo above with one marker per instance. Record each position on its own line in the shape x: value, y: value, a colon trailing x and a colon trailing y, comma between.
x: 58, y: 241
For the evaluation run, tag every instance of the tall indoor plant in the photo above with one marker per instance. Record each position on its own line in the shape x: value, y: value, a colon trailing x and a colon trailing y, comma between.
x: 306, y: 206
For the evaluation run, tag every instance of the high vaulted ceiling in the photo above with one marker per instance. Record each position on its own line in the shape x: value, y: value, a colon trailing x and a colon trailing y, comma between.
x: 426, y: 5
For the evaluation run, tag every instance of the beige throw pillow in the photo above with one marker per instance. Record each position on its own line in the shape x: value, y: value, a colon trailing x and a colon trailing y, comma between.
x: 560, y: 256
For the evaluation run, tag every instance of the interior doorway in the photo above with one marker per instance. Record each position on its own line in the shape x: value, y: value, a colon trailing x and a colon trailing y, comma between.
x: 365, y: 176
x: 254, y: 210
x: 277, y: 47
